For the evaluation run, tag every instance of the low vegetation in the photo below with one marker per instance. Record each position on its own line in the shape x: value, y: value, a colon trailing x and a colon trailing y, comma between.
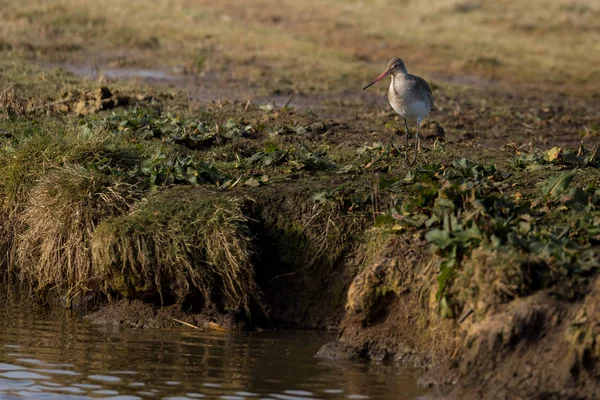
x: 132, y: 234
x: 495, y: 242
x: 330, y: 46
x: 176, y: 242
x: 53, y: 249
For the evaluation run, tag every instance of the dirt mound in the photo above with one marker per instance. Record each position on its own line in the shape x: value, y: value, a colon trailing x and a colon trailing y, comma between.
x: 11, y: 103
x: 89, y: 102
x: 537, y: 347
x: 76, y: 102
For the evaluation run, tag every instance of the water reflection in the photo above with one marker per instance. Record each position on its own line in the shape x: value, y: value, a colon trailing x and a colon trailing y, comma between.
x: 59, y: 356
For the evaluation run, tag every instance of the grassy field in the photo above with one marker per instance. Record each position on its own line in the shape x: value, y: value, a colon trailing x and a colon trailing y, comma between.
x: 89, y: 167
x: 319, y: 46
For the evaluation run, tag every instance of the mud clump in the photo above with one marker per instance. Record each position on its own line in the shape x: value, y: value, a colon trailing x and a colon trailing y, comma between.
x: 139, y: 314
x: 534, y: 348
x: 131, y: 313
x: 340, y: 350
x: 79, y: 103
x: 432, y: 130
x: 89, y: 102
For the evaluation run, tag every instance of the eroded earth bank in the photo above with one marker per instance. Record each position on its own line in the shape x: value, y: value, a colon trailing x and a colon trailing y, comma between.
x: 478, y: 264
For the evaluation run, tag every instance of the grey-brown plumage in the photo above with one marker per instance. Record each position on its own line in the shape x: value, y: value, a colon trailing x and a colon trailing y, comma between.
x: 409, y: 95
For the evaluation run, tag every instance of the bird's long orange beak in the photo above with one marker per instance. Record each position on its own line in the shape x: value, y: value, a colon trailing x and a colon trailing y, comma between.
x: 380, y: 77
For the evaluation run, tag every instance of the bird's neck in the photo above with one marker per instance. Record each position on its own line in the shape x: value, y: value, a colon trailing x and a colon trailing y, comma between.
x: 399, y: 77
x: 398, y: 80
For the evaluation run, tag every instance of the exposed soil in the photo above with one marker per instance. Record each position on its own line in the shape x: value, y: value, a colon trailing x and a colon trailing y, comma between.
x: 533, y: 347
x: 139, y: 314
x: 389, y: 315
x: 496, y: 115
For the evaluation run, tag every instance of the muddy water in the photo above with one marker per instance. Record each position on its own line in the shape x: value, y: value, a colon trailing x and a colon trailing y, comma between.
x: 54, y: 355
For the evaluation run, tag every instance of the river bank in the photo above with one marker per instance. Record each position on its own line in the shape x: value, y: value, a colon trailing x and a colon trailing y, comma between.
x: 150, y: 181
x: 236, y: 216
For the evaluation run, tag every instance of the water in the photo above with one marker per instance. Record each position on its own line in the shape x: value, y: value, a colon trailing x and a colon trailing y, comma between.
x: 60, y: 356
x: 92, y: 72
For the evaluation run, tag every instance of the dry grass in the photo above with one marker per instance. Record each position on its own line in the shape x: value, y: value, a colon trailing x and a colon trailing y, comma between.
x: 11, y: 103
x: 36, y: 152
x: 178, y: 241
x: 491, y: 277
x: 316, y: 45
x: 20, y: 168
x: 35, y: 86
x: 54, y: 250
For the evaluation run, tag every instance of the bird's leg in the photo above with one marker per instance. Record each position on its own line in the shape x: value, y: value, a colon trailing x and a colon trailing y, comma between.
x: 406, y: 147
x: 417, y: 140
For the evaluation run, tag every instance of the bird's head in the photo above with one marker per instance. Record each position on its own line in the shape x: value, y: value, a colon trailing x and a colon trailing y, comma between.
x: 394, y: 67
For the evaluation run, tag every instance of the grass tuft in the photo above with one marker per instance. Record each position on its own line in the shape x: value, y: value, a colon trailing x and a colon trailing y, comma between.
x: 11, y: 103
x: 22, y: 163
x: 54, y: 251
x: 177, y: 241
x: 490, y: 277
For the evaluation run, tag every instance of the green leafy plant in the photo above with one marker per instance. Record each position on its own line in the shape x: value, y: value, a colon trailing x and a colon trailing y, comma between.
x: 461, y: 207
x: 558, y: 157
x: 161, y: 170
x: 168, y: 127
x: 301, y: 158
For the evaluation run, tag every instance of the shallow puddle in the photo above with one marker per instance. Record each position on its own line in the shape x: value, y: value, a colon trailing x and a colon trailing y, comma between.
x: 90, y: 72
x: 60, y: 356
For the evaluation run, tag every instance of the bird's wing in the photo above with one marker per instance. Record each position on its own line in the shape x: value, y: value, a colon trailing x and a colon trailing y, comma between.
x: 425, y: 88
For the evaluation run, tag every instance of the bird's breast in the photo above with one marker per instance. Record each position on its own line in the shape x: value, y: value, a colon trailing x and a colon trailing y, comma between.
x: 405, y: 102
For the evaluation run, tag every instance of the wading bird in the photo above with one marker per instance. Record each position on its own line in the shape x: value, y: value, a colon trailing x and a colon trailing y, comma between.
x: 409, y: 95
